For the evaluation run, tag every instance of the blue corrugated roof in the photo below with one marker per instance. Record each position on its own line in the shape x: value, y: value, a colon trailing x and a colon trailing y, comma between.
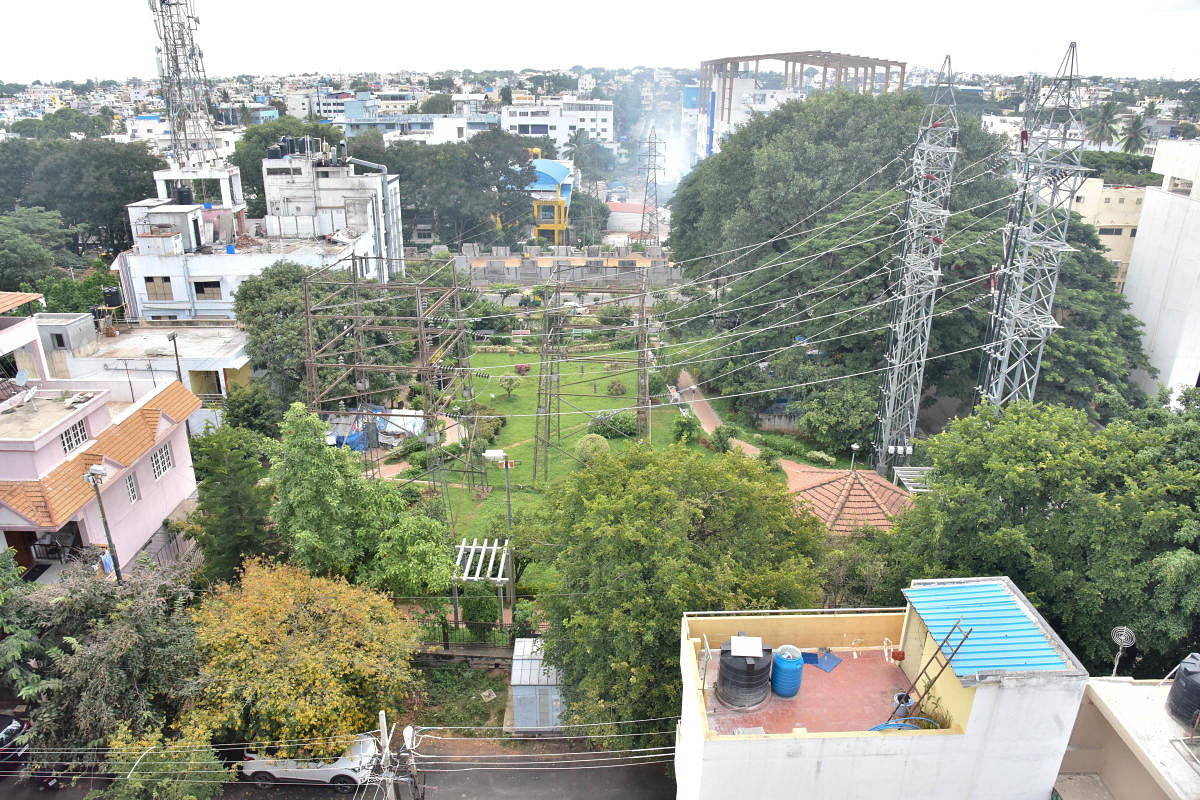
x: 1003, y: 634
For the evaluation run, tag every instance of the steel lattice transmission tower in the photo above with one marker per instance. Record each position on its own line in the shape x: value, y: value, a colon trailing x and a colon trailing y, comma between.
x: 1036, y: 238
x: 650, y: 162
x: 929, y: 184
x: 184, y: 84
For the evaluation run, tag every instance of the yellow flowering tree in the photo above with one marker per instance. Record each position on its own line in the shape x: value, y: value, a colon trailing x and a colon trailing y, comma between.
x: 288, y: 656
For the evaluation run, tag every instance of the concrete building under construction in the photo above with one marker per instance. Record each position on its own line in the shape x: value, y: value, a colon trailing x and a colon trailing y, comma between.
x: 731, y: 89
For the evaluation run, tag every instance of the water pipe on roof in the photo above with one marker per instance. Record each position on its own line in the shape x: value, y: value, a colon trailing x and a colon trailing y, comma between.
x: 386, y: 216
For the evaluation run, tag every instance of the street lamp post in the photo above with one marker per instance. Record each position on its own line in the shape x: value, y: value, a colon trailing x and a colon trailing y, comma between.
x: 95, y: 476
x: 853, y: 454
x: 173, y: 338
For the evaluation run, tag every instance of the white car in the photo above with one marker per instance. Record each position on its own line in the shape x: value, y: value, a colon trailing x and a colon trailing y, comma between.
x: 344, y: 774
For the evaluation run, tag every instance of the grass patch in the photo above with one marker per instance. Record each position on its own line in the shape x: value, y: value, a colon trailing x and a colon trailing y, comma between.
x: 452, y: 697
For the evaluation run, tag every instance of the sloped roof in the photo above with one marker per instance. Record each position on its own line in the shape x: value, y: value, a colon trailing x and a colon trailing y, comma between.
x: 550, y: 174
x: 846, y: 500
x: 13, y: 300
x: 52, y: 500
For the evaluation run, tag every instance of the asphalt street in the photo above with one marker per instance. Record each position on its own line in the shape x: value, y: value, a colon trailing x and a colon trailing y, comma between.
x: 647, y: 782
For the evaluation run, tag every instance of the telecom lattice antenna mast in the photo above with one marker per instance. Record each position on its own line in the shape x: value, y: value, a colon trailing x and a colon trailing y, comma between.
x: 929, y: 184
x: 1036, y: 238
x: 184, y: 84
x: 649, y: 225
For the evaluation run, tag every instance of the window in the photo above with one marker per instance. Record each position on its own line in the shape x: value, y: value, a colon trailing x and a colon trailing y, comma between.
x: 164, y: 316
x: 160, y: 460
x: 1108, y: 199
x: 1078, y: 198
x: 1120, y: 201
x: 207, y: 290
x: 1109, y: 231
x: 58, y: 340
x: 1139, y: 201
x: 132, y: 487
x: 73, y: 436
x: 159, y: 288
x: 1132, y: 232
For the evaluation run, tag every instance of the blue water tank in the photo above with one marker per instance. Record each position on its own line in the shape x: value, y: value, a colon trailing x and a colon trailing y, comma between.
x: 230, y: 249
x: 787, y: 670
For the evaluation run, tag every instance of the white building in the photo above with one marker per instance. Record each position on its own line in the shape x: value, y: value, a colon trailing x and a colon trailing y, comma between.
x: 212, y: 358
x: 997, y: 718
x: 560, y: 118
x: 1162, y: 284
x: 189, y: 258
x: 587, y: 83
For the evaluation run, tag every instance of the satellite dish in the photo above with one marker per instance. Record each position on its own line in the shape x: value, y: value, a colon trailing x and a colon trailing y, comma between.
x: 28, y: 397
x: 1122, y: 637
x: 22, y: 377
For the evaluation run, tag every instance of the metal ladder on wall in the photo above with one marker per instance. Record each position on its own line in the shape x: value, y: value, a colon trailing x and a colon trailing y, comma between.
x: 938, y: 659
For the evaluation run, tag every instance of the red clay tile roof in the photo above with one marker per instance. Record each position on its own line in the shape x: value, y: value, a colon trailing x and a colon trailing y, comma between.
x: 846, y: 500
x: 51, y: 501
x: 13, y: 300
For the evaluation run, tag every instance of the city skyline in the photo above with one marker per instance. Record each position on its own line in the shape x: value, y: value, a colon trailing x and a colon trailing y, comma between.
x: 258, y: 39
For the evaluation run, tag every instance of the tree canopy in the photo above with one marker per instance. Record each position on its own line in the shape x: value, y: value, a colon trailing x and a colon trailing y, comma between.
x: 288, y: 656
x: 640, y: 537
x: 340, y: 523
x: 62, y: 123
x: 1098, y: 526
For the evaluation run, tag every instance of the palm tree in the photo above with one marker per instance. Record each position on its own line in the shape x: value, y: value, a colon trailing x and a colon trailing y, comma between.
x: 1151, y: 111
x: 1103, y: 129
x: 1133, y: 138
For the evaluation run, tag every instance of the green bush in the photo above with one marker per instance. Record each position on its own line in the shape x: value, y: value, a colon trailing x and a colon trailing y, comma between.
x: 658, y: 384
x: 525, y: 618
x: 721, y: 437
x: 820, y: 458
x: 685, y: 428
x: 590, y: 447
x: 615, y: 388
x: 418, y: 459
x: 613, y: 424
x: 480, y: 609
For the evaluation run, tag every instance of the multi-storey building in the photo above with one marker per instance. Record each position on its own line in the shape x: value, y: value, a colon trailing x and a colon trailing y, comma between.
x: 1161, y: 283
x: 560, y: 118
x: 1115, y: 211
x: 128, y: 435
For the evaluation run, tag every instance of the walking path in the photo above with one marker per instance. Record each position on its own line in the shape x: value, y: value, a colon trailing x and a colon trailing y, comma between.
x: 709, y: 420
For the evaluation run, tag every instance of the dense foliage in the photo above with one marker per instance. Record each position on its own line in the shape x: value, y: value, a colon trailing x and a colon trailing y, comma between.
x: 1098, y: 526
x: 154, y: 767
x: 641, y: 537
x: 288, y: 655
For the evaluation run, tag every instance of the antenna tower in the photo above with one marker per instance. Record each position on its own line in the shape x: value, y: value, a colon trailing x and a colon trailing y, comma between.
x: 184, y: 84
x: 650, y: 162
x: 1036, y: 238
x: 920, y: 272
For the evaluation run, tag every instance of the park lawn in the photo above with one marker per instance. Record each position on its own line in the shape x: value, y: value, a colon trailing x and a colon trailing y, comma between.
x: 472, y: 516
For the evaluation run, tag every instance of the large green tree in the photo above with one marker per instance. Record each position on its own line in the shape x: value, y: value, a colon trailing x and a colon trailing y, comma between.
x: 1098, y: 526
x: 1103, y: 128
x: 270, y: 306
x: 65, y: 294
x: 31, y: 241
x: 90, y: 182
x: 1134, y: 134
x: 62, y: 123
x: 251, y: 149
x: 340, y: 523
x: 639, y: 538
x: 234, y: 501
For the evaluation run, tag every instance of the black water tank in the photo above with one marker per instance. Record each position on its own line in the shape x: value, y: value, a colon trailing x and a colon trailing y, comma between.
x: 184, y: 196
x: 274, y: 151
x: 1183, y: 701
x: 302, y: 144
x: 112, y: 296
x: 291, y: 145
x: 743, y: 681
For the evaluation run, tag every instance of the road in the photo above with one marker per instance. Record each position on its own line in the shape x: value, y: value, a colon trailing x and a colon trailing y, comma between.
x: 646, y: 782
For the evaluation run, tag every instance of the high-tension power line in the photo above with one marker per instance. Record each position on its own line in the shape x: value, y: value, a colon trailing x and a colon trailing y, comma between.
x: 920, y: 272
x: 1050, y: 174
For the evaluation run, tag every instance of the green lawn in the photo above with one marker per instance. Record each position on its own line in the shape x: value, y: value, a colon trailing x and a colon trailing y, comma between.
x: 517, y: 437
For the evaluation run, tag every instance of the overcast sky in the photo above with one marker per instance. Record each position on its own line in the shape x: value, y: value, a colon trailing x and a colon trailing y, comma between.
x: 78, y: 39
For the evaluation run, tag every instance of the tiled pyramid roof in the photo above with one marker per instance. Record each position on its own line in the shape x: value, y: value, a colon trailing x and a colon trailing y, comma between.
x: 846, y: 500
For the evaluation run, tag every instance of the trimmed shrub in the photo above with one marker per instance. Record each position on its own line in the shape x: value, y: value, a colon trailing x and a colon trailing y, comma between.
x: 614, y: 424
x: 685, y: 428
x: 590, y: 447
x: 615, y: 388
x: 820, y: 458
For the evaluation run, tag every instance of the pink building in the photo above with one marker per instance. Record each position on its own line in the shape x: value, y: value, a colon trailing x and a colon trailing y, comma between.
x: 53, y: 431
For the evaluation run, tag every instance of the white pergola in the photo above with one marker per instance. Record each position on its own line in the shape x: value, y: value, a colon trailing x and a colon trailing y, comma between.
x: 488, y: 561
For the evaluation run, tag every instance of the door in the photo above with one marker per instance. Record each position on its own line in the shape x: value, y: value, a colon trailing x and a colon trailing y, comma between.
x: 22, y: 543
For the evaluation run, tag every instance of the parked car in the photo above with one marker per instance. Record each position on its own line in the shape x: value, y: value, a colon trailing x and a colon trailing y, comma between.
x: 10, y: 729
x: 343, y: 774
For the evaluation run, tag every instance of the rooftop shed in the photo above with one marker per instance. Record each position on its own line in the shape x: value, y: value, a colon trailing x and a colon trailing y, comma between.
x: 535, y: 696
